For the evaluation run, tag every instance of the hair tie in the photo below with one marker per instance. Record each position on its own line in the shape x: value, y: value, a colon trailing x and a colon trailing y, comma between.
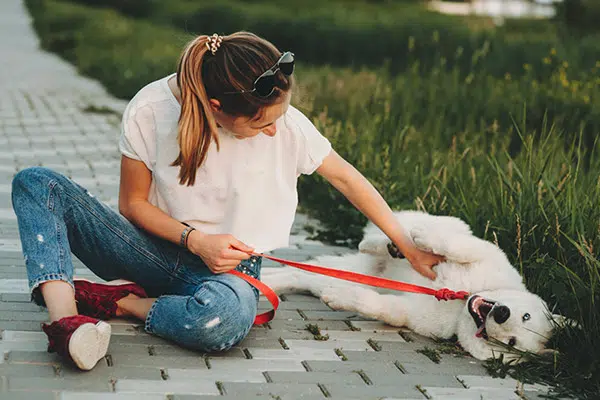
x: 214, y: 42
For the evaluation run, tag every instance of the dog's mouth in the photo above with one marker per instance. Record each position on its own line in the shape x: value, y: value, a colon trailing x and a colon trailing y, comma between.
x: 480, y: 308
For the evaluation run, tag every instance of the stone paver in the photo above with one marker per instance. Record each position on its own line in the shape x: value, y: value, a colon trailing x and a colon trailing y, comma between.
x: 43, y: 122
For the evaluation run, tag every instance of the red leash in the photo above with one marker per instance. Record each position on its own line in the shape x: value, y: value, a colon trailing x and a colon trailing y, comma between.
x: 441, y: 294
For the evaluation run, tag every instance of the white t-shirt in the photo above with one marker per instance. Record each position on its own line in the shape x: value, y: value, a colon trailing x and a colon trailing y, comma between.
x: 247, y: 188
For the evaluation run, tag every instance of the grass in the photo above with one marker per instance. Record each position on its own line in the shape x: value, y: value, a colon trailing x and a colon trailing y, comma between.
x: 450, y: 346
x: 316, y: 331
x: 499, y: 129
x: 430, y: 353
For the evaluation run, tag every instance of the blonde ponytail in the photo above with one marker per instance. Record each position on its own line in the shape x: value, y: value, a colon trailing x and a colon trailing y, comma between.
x: 197, y: 126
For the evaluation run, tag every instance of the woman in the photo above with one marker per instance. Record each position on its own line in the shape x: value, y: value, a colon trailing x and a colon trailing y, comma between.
x: 210, y: 161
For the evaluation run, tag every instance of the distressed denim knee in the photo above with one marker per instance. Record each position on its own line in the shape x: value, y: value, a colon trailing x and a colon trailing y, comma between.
x: 216, y: 317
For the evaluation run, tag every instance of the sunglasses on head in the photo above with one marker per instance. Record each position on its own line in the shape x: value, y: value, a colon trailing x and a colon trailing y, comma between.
x: 264, y: 85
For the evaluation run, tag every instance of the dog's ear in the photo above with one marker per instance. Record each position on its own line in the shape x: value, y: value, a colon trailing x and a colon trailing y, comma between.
x: 564, y: 322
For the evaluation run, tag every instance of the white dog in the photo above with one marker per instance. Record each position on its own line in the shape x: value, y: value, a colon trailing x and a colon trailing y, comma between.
x: 499, y: 305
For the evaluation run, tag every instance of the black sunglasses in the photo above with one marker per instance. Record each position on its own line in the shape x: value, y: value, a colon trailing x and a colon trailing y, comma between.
x: 264, y: 85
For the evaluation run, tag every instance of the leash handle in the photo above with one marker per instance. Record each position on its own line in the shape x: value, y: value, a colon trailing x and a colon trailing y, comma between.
x: 441, y: 294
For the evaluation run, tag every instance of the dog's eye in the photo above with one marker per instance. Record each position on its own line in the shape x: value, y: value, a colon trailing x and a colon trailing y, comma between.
x: 512, y: 342
x: 526, y: 317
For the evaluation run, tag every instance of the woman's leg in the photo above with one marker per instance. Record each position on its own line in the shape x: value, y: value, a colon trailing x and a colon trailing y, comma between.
x: 60, y: 295
x: 57, y: 217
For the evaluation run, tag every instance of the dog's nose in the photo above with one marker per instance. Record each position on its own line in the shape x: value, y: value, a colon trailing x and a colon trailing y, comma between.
x: 501, y: 314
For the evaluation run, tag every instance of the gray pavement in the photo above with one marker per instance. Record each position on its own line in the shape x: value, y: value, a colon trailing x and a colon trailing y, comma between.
x: 48, y: 116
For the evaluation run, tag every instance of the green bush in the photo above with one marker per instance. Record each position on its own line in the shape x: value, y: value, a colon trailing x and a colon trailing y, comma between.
x: 362, y: 33
x: 358, y: 33
x: 134, y: 8
x: 580, y: 16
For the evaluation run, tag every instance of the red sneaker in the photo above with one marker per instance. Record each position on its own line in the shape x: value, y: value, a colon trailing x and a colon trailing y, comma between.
x: 99, y: 300
x: 80, y: 339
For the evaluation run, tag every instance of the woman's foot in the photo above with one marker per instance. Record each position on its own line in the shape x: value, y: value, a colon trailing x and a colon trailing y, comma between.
x: 99, y: 300
x: 80, y: 339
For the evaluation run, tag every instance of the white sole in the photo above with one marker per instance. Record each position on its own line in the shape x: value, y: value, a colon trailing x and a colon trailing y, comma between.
x: 117, y: 282
x: 89, y: 344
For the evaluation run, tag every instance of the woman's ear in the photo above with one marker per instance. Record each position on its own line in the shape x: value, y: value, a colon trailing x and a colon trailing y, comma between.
x: 215, y: 105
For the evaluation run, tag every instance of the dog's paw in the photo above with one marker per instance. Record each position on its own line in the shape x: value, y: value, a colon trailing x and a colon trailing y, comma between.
x: 361, y: 300
x: 337, y: 299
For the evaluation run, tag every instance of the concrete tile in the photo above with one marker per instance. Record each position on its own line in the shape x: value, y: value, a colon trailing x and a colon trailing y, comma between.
x: 427, y: 367
x: 400, y: 356
x: 300, y: 354
x: 23, y: 336
x: 239, y: 375
x: 138, y: 387
x: 349, y: 378
x: 332, y: 316
x: 442, y: 393
x: 372, y: 367
x: 134, y: 360
x: 107, y: 373
x: 300, y: 345
x: 379, y: 336
x: 32, y: 357
x: 28, y: 370
x: 297, y: 390
x: 486, y: 382
x: 37, y: 384
x: 108, y: 396
x: 28, y: 396
x: 374, y: 326
x: 413, y: 380
x: 371, y: 392
x: 261, y: 365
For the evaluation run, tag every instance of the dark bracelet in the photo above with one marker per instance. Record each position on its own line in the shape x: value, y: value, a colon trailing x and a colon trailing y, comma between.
x: 185, y: 242
x: 185, y: 234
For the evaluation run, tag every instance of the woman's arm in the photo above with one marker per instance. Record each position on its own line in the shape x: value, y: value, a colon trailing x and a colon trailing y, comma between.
x: 217, y: 251
x: 133, y: 202
x: 361, y: 193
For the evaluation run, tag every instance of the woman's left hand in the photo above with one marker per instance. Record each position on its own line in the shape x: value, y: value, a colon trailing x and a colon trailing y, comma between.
x: 421, y: 261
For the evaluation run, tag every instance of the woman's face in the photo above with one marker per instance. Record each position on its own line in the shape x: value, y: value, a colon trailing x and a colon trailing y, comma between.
x: 244, y: 127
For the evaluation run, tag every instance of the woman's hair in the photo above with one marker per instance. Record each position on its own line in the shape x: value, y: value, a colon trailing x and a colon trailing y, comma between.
x: 202, y: 75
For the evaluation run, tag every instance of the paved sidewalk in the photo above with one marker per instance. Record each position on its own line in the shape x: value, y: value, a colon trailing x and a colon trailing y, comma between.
x: 50, y: 116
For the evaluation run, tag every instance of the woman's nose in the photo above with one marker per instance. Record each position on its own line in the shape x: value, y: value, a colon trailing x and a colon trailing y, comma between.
x: 270, y: 130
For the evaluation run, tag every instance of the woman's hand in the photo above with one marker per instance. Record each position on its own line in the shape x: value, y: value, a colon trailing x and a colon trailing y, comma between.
x: 421, y: 261
x: 217, y: 251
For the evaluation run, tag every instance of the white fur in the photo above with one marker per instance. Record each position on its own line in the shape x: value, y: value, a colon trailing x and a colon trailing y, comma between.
x: 472, y: 264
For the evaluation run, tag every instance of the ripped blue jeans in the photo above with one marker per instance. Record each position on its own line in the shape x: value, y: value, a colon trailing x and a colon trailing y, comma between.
x: 194, y: 308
